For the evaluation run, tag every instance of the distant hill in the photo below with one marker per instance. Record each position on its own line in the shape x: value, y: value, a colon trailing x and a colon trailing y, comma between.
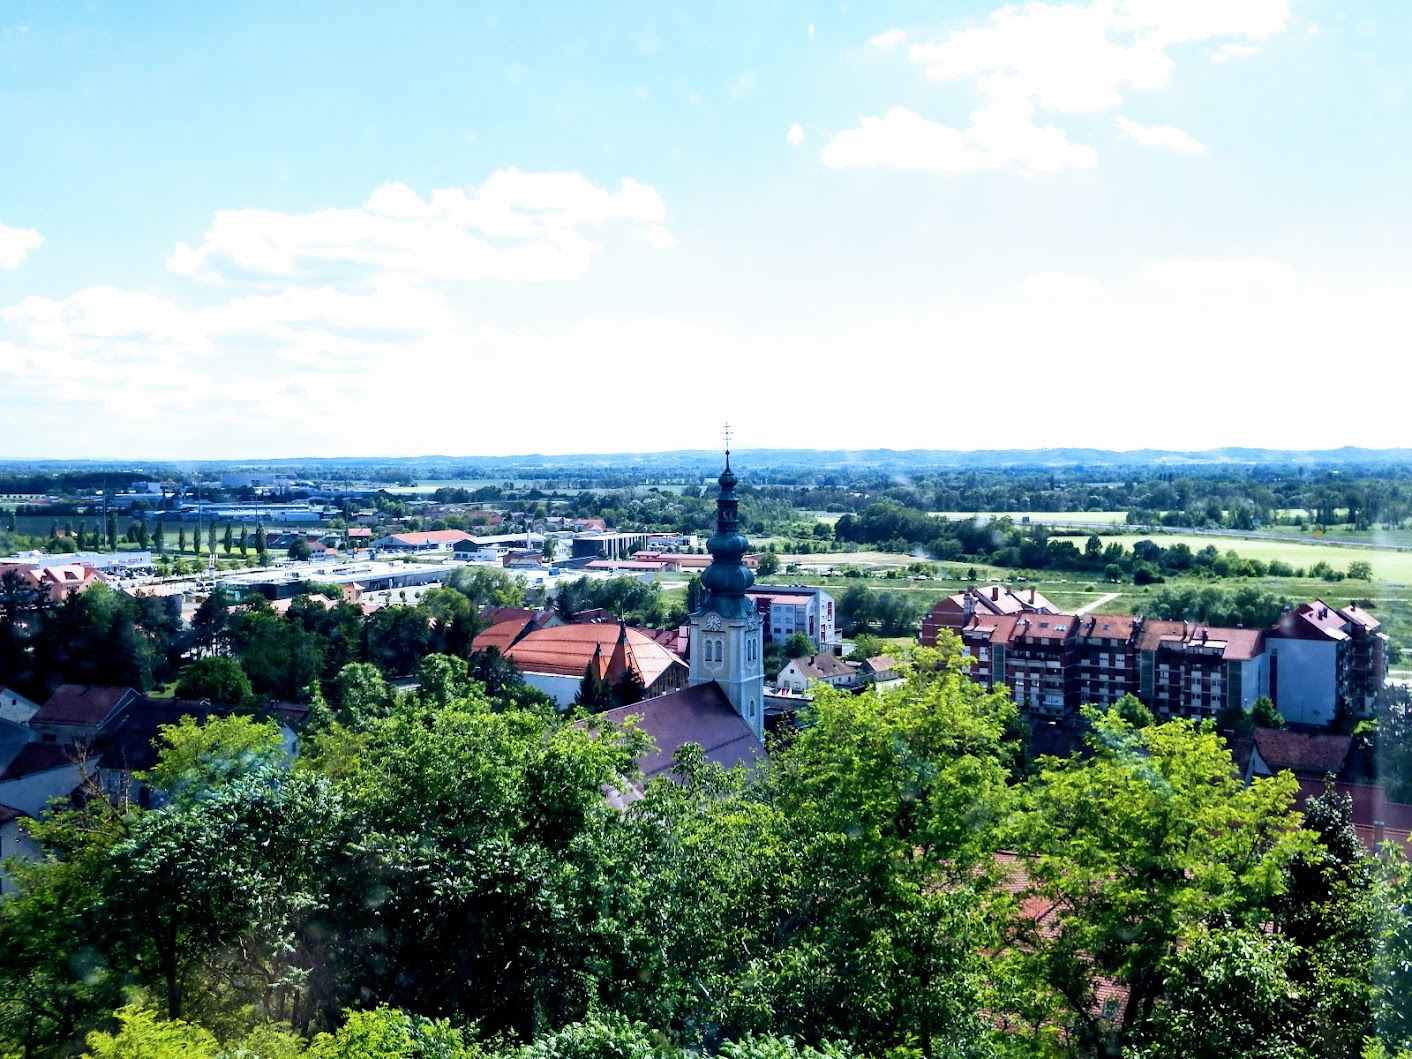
x: 705, y: 462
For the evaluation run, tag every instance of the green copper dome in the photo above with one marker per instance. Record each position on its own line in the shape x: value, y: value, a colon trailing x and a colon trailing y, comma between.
x: 727, y: 579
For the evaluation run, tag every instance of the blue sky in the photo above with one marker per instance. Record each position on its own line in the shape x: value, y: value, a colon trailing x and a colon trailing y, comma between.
x: 326, y: 229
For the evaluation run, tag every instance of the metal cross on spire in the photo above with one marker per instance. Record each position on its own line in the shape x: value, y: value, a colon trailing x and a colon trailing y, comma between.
x: 726, y: 433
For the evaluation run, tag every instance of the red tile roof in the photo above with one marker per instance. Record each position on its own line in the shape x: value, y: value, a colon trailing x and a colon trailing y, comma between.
x: 1303, y: 753
x: 822, y: 667
x: 416, y: 540
x: 38, y: 757
x: 78, y: 706
x: 566, y: 650
x: 1234, y: 644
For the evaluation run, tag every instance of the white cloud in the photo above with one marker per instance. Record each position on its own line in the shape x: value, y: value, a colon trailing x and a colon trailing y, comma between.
x: 1234, y: 51
x: 1162, y: 136
x: 999, y: 136
x: 795, y: 136
x: 15, y: 245
x: 516, y: 226
x: 1060, y: 285
x: 1065, y: 58
x: 889, y: 39
x: 1218, y: 274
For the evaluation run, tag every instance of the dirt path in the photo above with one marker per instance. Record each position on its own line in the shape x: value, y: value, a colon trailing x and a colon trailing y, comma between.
x: 1097, y: 603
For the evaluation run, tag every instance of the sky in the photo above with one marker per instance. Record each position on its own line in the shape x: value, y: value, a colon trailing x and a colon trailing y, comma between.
x: 303, y: 229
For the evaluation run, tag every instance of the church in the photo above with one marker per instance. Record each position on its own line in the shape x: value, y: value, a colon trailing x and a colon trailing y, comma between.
x: 722, y: 708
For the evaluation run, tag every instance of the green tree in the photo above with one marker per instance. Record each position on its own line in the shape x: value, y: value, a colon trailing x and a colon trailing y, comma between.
x: 197, y: 757
x: 798, y: 645
x: 228, y: 539
x: 484, y: 585
x: 211, y: 537
x: 594, y: 694
x: 769, y: 565
x: 244, y: 543
x: 159, y: 538
x: 1135, y: 846
x: 262, y: 547
x: 361, y: 694
x: 112, y: 533
x: 1360, y: 570
x: 396, y: 639
x: 181, y: 540
x: 1264, y: 714
x: 218, y: 679
x: 442, y: 679
x: 299, y: 548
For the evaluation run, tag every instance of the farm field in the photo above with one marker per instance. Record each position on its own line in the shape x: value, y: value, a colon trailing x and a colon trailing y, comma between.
x: 1393, y: 566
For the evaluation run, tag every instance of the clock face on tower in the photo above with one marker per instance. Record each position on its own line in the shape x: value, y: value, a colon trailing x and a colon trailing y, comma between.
x: 712, y: 622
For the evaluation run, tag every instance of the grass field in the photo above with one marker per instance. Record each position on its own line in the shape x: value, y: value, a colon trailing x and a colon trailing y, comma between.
x: 1393, y: 566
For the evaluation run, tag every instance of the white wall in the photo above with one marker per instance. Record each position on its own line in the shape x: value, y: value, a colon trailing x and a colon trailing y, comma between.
x: 1308, y: 679
x: 14, y: 843
x: 30, y: 794
x: 561, y: 689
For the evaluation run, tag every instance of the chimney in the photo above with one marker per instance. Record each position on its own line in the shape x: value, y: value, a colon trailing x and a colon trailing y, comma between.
x: 1379, y: 834
x: 1032, y: 597
x: 995, y: 593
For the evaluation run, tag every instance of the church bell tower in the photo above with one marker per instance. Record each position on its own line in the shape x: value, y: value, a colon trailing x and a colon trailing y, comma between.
x: 726, y: 638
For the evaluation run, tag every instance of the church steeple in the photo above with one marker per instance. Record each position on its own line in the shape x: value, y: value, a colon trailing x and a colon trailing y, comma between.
x: 727, y: 579
x: 726, y: 640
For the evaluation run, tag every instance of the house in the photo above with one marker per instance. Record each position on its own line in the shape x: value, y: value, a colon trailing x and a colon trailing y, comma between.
x: 880, y: 669
x: 1324, y: 660
x: 57, y: 581
x: 1309, y: 755
x: 787, y: 609
x: 427, y: 541
x: 128, y: 743
x: 75, y: 713
x: 953, y: 612
x: 40, y: 773
x: 798, y: 673
x: 15, y: 707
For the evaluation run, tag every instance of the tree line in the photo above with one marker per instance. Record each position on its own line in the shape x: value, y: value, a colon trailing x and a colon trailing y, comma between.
x: 439, y: 873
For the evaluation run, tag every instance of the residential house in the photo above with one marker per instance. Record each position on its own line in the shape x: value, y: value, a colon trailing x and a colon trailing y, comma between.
x: 15, y: 707
x: 798, y: 673
x: 879, y: 669
x: 75, y: 712
x: 40, y: 773
x: 1309, y: 755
